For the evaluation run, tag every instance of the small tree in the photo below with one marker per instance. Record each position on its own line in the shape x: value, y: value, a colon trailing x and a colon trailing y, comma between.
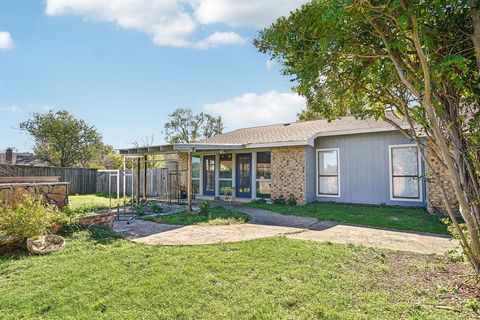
x: 419, y: 59
x: 185, y: 127
x: 63, y: 141
x: 106, y: 158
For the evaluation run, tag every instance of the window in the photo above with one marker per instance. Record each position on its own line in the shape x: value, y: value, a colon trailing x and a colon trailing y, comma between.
x: 226, y: 174
x: 328, y: 183
x: 405, y: 173
x: 264, y: 175
x: 195, y: 174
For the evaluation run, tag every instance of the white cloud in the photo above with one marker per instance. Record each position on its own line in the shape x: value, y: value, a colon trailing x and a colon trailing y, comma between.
x: 165, y: 20
x: 175, y: 22
x: 12, y: 109
x: 220, y: 38
x: 6, y: 41
x: 235, y: 13
x: 252, y: 109
x: 269, y: 64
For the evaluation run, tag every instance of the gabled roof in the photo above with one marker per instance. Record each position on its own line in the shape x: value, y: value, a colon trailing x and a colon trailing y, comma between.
x: 299, y: 133
x: 277, y: 135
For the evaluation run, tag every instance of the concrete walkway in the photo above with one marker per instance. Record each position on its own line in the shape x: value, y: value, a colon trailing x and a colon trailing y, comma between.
x: 265, y: 224
x: 378, y: 238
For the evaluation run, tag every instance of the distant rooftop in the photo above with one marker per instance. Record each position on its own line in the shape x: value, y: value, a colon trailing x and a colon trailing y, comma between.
x: 21, y: 158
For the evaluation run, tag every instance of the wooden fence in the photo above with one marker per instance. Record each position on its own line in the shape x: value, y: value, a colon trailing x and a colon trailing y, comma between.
x: 82, y: 181
x: 161, y: 182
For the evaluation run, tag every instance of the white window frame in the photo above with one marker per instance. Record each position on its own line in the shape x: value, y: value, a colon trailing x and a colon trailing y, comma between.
x: 317, y: 151
x: 420, y: 173
x: 263, y: 180
x: 225, y: 179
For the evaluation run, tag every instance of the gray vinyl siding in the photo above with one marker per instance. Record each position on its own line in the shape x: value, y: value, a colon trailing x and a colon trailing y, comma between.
x: 364, y: 168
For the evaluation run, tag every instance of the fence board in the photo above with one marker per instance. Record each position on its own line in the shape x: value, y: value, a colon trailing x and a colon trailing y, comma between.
x: 161, y: 182
x: 158, y: 182
x: 82, y: 181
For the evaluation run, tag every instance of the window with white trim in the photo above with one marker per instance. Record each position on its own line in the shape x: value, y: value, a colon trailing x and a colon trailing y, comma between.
x: 405, y: 173
x: 264, y: 175
x: 225, y: 174
x: 196, y: 174
x: 328, y: 179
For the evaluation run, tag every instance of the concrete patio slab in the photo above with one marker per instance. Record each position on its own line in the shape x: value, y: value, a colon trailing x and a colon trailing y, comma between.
x: 264, y: 217
x: 378, y: 238
x: 195, y: 235
x: 138, y: 228
x: 265, y: 224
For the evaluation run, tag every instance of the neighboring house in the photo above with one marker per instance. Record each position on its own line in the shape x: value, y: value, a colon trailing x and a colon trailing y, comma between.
x: 19, y: 158
x: 346, y: 160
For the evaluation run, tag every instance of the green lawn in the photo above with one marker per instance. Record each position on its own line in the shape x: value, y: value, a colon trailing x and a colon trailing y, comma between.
x: 98, y: 276
x: 401, y: 218
x: 84, y: 205
x: 217, y: 216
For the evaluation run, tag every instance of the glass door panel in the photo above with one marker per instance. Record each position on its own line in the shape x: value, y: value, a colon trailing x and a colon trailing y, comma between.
x: 209, y: 175
x: 244, y: 175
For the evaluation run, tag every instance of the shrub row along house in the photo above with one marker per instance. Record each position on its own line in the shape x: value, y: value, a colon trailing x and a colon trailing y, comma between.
x: 347, y: 160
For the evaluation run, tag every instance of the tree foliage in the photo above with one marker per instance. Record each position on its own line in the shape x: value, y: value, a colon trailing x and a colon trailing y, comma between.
x: 64, y: 141
x: 418, y: 59
x: 186, y: 127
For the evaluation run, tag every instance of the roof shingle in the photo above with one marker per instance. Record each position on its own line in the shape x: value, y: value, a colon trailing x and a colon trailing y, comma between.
x: 299, y: 131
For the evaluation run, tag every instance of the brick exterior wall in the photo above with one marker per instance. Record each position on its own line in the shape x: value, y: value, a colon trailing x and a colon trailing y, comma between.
x: 288, y: 173
x: 434, y: 195
x: 104, y: 220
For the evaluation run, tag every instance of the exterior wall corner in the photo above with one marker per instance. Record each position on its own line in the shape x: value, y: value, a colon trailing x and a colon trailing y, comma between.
x: 434, y: 196
x: 288, y: 173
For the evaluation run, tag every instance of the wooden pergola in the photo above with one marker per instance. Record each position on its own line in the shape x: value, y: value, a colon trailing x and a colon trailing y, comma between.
x: 141, y: 156
x: 188, y: 148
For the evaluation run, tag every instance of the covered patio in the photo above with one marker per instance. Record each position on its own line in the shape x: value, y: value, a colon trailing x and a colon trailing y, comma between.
x: 230, y: 172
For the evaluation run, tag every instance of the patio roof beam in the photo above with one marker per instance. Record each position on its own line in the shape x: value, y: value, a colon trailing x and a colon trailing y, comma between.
x: 148, y: 150
x: 192, y: 147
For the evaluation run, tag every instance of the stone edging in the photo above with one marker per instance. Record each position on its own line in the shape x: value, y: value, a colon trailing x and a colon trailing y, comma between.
x: 104, y: 220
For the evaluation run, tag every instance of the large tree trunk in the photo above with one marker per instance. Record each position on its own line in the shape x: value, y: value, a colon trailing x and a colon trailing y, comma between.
x: 447, y: 142
x: 476, y: 29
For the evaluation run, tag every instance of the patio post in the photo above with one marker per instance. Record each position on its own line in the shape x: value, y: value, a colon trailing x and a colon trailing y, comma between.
x: 145, y: 167
x: 189, y: 181
x: 138, y: 180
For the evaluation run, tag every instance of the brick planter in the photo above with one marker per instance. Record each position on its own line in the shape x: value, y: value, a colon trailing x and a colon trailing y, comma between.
x: 101, y: 220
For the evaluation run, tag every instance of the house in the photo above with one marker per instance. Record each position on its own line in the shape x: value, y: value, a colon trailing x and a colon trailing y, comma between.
x: 347, y: 160
x: 19, y: 158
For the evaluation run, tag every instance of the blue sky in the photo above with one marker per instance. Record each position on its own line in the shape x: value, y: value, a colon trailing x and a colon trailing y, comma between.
x: 124, y: 66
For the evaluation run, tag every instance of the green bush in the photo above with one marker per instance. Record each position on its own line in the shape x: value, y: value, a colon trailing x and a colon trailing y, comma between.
x: 279, y: 200
x: 156, y: 208
x: 205, y: 207
x: 291, y: 201
x: 30, y: 218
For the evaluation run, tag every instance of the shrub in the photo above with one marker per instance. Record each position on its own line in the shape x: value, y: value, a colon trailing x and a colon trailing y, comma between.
x: 156, y: 208
x: 279, y: 200
x: 260, y: 201
x: 139, y: 209
x: 30, y: 218
x: 291, y: 201
x: 205, y: 207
